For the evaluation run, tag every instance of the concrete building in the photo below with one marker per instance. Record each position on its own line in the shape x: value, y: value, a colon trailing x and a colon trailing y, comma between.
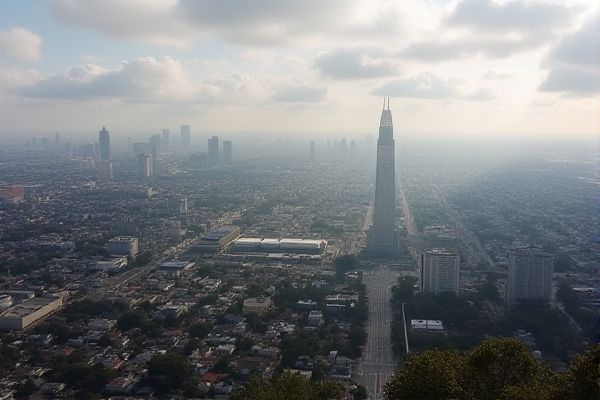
x: 439, y: 271
x: 123, y: 246
x: 217, y: 239
x: 213, y: 151
x: 227, y: 152
x: 185, y: 137
x: 382, y: 239
x: 529, y: 274
x: 426, y: 326
x: 257, y: 305
x: 111, y: 264
x: 144, y: 166
x: 266, y: 245
x: 104, y: 144
x: 22, y: 315
x: 315, y: 318
x: 166, y: 140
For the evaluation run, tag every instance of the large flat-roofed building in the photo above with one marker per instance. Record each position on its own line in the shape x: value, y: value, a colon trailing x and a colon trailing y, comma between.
x: 123, y: 246
x: 22, y: 315
x: 216, y: 239
x: 257, y: 305
x: 175, y: 268
x: 426, y: 326
x: 439, y: 270
x: 267, y: 245
x: 110, y: 264
x: 529, y: 274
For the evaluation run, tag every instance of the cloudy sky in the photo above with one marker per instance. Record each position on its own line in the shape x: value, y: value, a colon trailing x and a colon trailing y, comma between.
x: 476, y: 67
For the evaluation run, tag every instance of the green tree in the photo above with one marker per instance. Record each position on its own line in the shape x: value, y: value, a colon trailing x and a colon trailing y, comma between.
x: 200, y: 329
x: 168, y: 372
x: 433, y: 374
x: 584, y: 376
x: 495, y: 365
x: 289, y: 386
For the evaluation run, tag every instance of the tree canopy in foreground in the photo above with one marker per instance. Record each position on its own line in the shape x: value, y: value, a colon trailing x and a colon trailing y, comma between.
x: 496, y: 369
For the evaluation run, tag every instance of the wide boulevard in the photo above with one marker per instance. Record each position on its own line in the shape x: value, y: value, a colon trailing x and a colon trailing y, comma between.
x: 377, y: 363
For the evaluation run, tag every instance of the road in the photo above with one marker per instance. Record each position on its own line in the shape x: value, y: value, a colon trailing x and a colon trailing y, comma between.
x: 377, y: 363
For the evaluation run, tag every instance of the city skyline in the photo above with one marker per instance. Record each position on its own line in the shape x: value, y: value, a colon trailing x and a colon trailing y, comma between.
x: 508, y: 68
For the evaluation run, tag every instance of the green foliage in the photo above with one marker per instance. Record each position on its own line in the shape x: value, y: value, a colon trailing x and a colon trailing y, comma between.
x: 498, y: 368
x: 360, y: 393
x: 345, y: 263
x: 138, y: 319
x: 168, y: 372
x: 289, y: 387
x: 294, y: 346
x: 82, y: 376
x: 430, y: 375
x: 583, y: 378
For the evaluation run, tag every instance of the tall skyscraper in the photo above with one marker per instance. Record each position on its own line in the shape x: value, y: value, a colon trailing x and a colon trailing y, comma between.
x: 166, y: 140
x: 227, y: 152
x: 154, y: 150
x: 104, y: 144
x: 144, y: 165
x: 213, y: 151
x: 529, y: 274
x: 439, y: 271
x: 382, y: 239
x: 185, y: 137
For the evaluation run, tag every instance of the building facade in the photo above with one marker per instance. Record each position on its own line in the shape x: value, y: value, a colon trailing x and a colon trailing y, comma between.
x: 439, y: 271
x: 529, y: 274
x: 123, y: 246
x: 104, y: 144
x: 213, y: 151
x: 382, y: 238
x: 185, y: 137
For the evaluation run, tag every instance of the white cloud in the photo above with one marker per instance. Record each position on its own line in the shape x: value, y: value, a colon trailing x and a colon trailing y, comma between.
x: 141, y: 78
x: 156, y: 21
x: 491, y: 29
x: 353, y: 64
x: 14, y: 78
x: 574, y: 63
x: 428, y: 86
x: 21, y: 44
x: 300, y: 94
x: 512, y: 15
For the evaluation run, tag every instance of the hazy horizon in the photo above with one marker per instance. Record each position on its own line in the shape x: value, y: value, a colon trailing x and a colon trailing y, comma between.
x: 451, y: 67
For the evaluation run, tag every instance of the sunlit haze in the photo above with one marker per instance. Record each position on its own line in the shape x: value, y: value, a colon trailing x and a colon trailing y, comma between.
x: 470, y: 67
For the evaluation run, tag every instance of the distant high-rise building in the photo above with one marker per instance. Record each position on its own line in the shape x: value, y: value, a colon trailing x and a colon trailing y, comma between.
x: 154, y: 150
x: 227, y: 152
x: 439, y: 271
x: 185, y: 138
x: 104, y: 144
x: 183, y: 206
x: 129, y: 147
x: 105, y: 169
x: 344, y: 148
x: 382, y: 238
x: 166, y: 140
x: 213, y: 151
x: 140, y: 148
x: 144, y: 165
x: 312, y: 150
x: 529, y: 274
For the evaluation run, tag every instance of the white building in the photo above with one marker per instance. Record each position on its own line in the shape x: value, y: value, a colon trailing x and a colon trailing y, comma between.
x: 123, y: 246
x: 529, y: 274
x: 22, y: 315
x: 439, y: 271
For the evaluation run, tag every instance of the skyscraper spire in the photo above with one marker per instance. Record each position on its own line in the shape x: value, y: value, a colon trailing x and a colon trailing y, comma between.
x: 382, y: 238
